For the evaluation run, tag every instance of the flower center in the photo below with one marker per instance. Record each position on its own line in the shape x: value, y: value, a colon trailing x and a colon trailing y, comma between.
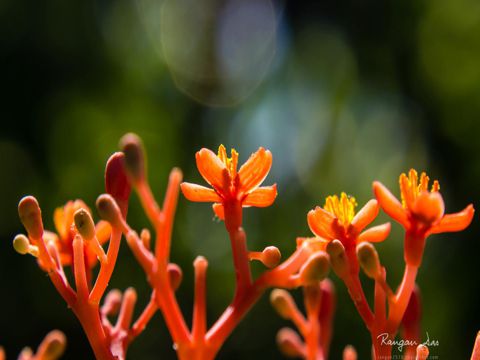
x: 343, y: 207
x: 230, y: 162
x: 411, y: 186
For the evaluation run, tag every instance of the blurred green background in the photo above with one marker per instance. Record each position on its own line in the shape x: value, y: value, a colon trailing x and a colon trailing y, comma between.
x: 342, y: 93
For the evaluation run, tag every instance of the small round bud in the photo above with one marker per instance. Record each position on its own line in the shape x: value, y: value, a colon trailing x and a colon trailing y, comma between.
x: 315, y: 269
x: 290, y: 343
x: 422, y: 352
x: 175, y: 274
x: 338, y: 259
x: 145, y: 236
x: 108, y: 209
x: 368, y: 259
x: 349, y: 353
x: 112, y: 302
x: 271, y: 256
x: 31, y: 216
x: 282, y: 302
x: 21, y: 244
x: 84, y: 224
x: 132, y: 147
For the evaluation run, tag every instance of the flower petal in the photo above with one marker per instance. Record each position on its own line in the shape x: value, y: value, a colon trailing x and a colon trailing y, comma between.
x: 261, y: 197
x: 375, y: 234
x: 59, y: 222
x: 454, y: 222
x: 212, y: 169
x: 194, y: 192
x: 219, y: 211
x: 255, y: 170
x: 103, y: 229
x: 428, y: 207
x: 321, y: 222
x: 390, y: 204
x: 366, y: 215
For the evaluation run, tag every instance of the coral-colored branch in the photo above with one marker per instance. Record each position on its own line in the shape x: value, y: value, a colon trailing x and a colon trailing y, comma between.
x: 106, y: 269
x: 357, y: 295
x: 199, y: 322
x: 144, y: 318
x: 240, y: 260
x: 79, y: 269
x: 380, y: 299
x: 162, y: 250
x: 476, y: 348
x: 402, y: 297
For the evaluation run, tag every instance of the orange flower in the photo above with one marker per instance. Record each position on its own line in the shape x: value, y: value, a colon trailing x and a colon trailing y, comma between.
x: 63, y: 218
x: 337, y: 220
x: 421, y: 210
x: 230, y: 185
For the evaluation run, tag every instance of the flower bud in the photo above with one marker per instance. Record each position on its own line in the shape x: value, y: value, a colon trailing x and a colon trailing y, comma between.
x: 21, y: 244
x: 349, y: 353
x: 53, y: 346
x: 31, y: 216
x: 175, y: 274
x: 368, y: 259
x: 422, y: 352
x: 271, y: 256
x: 108, y: 209
x: 315, y: 269
x: 290, y: 343
x: 282, y: 302
x: 84, y: 224
x: 132, y: 147
x: 112, y: 302
x: 338, y: 259
x: 145, y: 236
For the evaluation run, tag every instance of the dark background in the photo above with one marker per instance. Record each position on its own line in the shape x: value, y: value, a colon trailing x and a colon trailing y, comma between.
x: 342, y: 92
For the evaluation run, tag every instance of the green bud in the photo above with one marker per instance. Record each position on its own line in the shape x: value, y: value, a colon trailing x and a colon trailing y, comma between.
x: 368, y: 259
x: 338, y: 258
x: 108, y: 209
x: 315, y: 269
x: 31, y: 216
x: 21, y: 244
x: 84, y: 224
x: 282, y: 302
x: 132, y: 147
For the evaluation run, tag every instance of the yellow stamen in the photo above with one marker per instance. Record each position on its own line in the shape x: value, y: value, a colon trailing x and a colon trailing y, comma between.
x: 410, y: 187
x: 231, y: 163
x: 342, y: 208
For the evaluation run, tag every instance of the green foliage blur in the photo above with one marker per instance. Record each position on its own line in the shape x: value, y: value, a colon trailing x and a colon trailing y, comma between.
x: 342, y: 93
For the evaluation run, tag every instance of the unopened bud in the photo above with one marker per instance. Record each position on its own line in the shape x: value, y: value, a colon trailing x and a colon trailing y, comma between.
x: 53, y: 346
x: 282, y: 302
x: 145, y: 237
x: 21, y: 244
x: 315, y: 269
x: 290, y: 343
x: 84, y: 224
x: 111, y: 304
x: 349, y: 353
x: 26, y: 353
x: 271, y: 256
x: 338, y: 258
x: 132, y: 147
x: 368, y: 259
x: 108, y: 209
x: 422, y: 352
x: 175, y: 274
x: 31, y: 216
